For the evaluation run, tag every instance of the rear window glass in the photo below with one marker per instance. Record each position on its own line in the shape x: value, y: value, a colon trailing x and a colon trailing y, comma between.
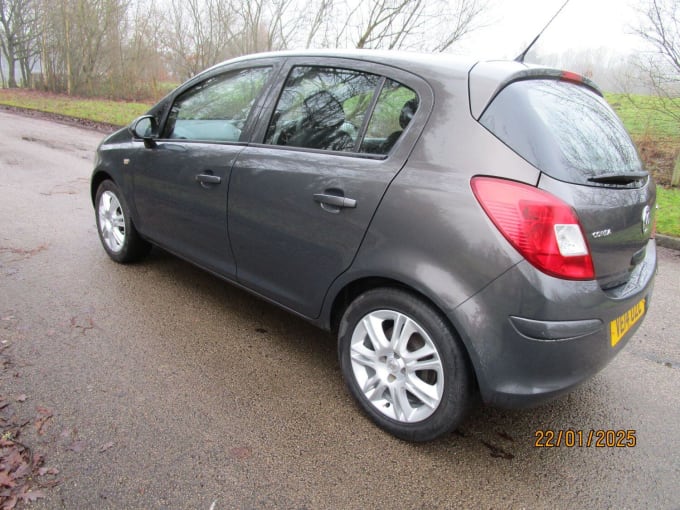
x: 563, y: 129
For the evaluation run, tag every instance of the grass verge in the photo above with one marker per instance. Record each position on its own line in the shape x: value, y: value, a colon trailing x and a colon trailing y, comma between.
x: 668, y: 215
x: 646, y: 115
x: 118, y: 113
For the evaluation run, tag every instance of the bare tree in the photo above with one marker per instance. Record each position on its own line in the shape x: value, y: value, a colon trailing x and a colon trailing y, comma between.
x: 123, y: 48
x: 263, y: 25
x: 660, y: 28
x: 317, y: 21
x: 394, y: 24
x: 17, y: 38
x: 75, y: 36
x: 199, y: 34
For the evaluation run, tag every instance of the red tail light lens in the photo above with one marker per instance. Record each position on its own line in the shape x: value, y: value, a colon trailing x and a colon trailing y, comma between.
x: 543, y: 228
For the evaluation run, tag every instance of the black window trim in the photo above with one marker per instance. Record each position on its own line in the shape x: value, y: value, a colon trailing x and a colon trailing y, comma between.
x: 419, y: 86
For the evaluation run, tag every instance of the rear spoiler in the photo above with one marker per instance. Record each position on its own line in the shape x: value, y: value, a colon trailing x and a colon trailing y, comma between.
x: 487, y: 79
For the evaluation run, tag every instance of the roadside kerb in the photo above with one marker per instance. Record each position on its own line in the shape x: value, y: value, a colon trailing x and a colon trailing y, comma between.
x: 668, y: 241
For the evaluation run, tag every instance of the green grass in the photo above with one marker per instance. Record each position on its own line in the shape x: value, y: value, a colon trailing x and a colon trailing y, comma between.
x: 99, y: 110
x: 668, y: 215
x: 644, y: 115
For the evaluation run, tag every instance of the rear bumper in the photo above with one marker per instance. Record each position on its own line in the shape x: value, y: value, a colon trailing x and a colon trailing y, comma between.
x: 532, y: 337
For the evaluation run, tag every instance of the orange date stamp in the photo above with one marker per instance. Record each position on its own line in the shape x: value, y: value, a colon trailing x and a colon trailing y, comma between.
x: 597, y: 438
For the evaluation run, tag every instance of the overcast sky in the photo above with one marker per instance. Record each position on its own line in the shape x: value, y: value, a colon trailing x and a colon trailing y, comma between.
x: 512, y: 24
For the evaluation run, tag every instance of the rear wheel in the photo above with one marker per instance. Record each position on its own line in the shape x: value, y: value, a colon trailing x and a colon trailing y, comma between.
x: 404, y: 365
x: 114, y: 224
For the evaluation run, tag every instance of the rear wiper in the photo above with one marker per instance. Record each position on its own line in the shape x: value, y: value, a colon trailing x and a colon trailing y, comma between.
x: 621, y: 179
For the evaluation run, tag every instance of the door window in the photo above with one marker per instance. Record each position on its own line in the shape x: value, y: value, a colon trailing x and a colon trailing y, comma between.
x: 393, y: 111
x: 216, y: 109
x: 322, y: 108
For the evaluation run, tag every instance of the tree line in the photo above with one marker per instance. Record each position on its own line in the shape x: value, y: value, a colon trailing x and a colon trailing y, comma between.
x: 132, y: 49
x: 137, y: 49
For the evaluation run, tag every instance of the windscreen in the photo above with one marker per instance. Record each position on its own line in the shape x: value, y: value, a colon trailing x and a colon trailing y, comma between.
x: 563, y: 129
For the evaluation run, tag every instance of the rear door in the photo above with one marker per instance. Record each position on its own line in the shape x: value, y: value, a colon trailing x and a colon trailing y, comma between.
x: 301, y: 199
x: 567, y: 130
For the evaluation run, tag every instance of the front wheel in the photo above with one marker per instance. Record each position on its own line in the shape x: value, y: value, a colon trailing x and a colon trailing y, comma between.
x: 114, y: 224
x: 404, y: 365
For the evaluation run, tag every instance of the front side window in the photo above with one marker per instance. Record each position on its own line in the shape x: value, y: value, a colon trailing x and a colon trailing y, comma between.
x: 322, y: 108
x: 216, y: 109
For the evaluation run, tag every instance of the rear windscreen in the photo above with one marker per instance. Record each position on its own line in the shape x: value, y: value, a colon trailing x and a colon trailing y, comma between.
x: 563, y: 129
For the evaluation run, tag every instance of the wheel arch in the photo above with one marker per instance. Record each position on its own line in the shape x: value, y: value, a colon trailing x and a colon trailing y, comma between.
x: 98, y: 177
x: 356, y: 287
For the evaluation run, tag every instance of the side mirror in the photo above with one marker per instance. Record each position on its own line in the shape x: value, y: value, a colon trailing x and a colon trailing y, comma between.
x: 146, y: 128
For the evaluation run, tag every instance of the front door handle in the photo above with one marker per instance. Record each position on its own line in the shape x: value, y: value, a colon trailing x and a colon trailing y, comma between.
x: 208, y: 178
x: 334, y: 200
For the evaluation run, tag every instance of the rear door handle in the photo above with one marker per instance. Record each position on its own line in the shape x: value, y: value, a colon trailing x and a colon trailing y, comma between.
x: 334, y: 200
x: 208, y: 178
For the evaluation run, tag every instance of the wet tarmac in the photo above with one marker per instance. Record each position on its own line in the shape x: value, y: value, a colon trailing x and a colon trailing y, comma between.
x: 168, y: 388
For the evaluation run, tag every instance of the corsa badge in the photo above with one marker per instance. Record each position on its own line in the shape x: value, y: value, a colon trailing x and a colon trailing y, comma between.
x: 602, y: 233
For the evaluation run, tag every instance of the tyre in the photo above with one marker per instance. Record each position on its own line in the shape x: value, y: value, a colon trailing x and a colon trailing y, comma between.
x: 404, y: 365
x: 114, y: 224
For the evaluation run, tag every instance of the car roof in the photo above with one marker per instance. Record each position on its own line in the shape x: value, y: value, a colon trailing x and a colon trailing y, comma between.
x: 486, y: 77
x: 418, y: 63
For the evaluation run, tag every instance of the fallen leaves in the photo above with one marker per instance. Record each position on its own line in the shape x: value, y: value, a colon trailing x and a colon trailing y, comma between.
x: 44, y: 415
x: 20, y: 472
x: 77, y: 446
x: 23, y: 473
x: 106, y: 447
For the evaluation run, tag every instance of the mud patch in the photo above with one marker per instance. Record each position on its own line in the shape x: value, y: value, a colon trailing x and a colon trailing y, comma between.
x: 68, y: 188
x: 13, y: 254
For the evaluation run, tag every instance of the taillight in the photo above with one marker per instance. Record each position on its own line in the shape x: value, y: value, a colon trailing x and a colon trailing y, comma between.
x: 543, y: 228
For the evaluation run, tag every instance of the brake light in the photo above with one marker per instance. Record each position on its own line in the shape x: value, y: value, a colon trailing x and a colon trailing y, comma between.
x: 570, y: 76
x: 541, y: 227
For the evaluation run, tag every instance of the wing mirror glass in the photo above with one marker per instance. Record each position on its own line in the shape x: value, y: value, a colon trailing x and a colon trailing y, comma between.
x: 146, y: 128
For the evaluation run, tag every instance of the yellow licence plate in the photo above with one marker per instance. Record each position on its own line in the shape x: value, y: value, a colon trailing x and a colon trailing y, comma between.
x: 622, y: 324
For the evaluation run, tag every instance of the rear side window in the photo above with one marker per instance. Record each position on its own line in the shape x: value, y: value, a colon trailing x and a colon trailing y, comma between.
x: 322, y: 108
x: 563, y: 129
x: 343, y: 110
x: 394, y: 110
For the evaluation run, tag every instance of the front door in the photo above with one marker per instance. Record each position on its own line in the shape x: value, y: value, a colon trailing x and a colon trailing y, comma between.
x: 181, y: 185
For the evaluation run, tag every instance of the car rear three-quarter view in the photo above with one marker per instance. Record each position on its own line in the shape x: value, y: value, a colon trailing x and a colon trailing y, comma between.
x: 464, y: 227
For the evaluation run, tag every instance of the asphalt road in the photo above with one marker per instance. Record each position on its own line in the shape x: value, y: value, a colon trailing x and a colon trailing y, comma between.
x: 168, y: 388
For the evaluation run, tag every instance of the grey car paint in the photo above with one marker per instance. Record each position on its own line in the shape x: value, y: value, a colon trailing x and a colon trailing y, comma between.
x: 277, y: 229
x: 179, y: 213
x: 427, y: 232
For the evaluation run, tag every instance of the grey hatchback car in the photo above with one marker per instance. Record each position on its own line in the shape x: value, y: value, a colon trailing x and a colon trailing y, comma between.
x: 467, y: 229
